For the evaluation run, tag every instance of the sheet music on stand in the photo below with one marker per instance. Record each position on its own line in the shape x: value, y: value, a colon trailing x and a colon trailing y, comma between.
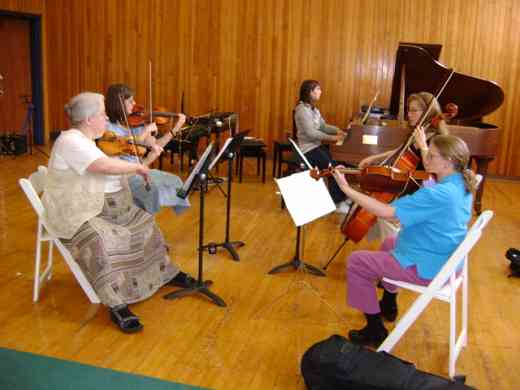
x: 188, y: 184
x: 306, y: 199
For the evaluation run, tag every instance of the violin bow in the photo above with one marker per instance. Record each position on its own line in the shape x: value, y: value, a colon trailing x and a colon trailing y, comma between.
x: 132, y: 134
x: 424, y: 115
x: 150, y: 105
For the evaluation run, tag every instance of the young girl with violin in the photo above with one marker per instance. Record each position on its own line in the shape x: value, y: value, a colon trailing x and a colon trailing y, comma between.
x: 163, y: 185
x: 434, y: 124
x: 433, y: 223
x: 312, y: 130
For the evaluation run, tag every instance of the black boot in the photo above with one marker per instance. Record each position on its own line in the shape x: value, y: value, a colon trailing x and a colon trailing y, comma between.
x: 388, y: 306
x: 372, y: 334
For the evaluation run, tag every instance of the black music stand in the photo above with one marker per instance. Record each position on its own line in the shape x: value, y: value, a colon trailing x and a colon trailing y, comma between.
x: 228, y: 152
x: 297, y: 263
x: 198, y: 174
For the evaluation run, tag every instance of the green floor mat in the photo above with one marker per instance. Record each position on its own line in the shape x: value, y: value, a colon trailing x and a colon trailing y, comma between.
x: 24, y: 371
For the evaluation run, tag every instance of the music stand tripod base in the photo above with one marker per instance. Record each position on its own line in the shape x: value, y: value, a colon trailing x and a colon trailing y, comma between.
x: 199, y: 287
x: 296, y: 262
x: 230, y: 247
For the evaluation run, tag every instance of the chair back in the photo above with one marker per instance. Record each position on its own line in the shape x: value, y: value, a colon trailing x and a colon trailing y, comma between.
x: 294, y: 129
x: 462, y: 251
x: 33, y: 187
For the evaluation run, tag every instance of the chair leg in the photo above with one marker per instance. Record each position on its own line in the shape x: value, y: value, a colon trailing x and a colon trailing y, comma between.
x: 453, y: 329
x: 240, y: 168
x: 465, y: 304
x: 275, y: 157
x: 78, y: 273
x: 263, y: 168
x: 48, y: 269
x: 37, y: 261
x: 258, y: 158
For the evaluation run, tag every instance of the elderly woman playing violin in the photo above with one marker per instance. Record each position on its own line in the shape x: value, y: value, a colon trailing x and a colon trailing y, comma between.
x: 120, y: 102
x: 88, y: 205
x: 433, y: 223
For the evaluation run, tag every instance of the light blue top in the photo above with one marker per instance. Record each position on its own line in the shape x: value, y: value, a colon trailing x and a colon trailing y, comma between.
x: 433, y: 222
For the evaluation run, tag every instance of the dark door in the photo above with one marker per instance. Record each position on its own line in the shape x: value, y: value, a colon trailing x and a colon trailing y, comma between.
x: 15, y: 69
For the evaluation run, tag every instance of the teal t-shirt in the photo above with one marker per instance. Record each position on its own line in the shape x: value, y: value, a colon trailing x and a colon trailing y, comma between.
x: 434, y: 221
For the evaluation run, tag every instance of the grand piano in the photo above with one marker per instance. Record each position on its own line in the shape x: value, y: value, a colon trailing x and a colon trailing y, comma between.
x: 474, y: 97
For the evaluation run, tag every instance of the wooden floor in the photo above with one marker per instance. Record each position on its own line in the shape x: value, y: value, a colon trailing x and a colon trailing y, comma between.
x: 258, y: 340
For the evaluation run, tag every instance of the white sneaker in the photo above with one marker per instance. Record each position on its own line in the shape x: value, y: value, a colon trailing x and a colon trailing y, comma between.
x: 343, y: 207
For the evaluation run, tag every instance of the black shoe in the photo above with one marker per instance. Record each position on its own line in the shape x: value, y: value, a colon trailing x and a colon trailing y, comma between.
x: 388, y: 311
x: 183, y: 280
x: 368, y: 336
x: 513, y: 255
x: 127, y: 321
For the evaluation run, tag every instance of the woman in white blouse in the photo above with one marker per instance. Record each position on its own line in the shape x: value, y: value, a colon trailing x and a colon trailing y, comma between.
x: 89, y: 206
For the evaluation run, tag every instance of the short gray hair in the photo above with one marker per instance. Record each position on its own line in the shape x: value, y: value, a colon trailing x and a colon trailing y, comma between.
x: 83, y: 106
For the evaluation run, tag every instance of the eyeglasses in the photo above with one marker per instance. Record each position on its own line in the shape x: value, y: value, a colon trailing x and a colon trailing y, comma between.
x: 413, y: 110
x: 431, y: 156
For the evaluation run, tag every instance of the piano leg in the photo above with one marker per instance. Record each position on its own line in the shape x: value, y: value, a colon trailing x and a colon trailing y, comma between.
x: 482, y: 168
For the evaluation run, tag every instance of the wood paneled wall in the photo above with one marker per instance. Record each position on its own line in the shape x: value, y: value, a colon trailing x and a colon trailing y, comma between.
x: 250, y: 56
x: 25, y: 6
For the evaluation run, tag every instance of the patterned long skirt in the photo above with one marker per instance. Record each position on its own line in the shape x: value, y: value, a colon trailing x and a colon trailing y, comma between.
x: 122, y: 252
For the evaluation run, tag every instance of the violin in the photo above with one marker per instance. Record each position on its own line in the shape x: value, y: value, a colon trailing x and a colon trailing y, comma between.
x: 115, y: 145
x: 160, y: 115
x: 374, y: 178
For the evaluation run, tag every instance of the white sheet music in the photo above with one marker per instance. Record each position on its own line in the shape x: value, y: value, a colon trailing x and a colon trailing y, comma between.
x: 306, y: 198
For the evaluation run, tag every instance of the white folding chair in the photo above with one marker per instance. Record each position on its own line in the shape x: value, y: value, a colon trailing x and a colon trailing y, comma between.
x: 443, y: 287
x: 32, y: 187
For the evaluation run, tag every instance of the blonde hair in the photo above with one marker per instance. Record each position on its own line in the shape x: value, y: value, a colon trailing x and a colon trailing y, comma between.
x: 455, y: 149
x: 423, y: 99
x: 83, y: 106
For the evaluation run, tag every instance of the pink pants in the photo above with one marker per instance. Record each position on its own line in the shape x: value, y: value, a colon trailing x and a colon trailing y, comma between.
x: 366, y: 268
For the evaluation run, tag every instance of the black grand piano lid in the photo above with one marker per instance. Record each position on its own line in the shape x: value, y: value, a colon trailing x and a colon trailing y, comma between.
x: 475, y: 97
